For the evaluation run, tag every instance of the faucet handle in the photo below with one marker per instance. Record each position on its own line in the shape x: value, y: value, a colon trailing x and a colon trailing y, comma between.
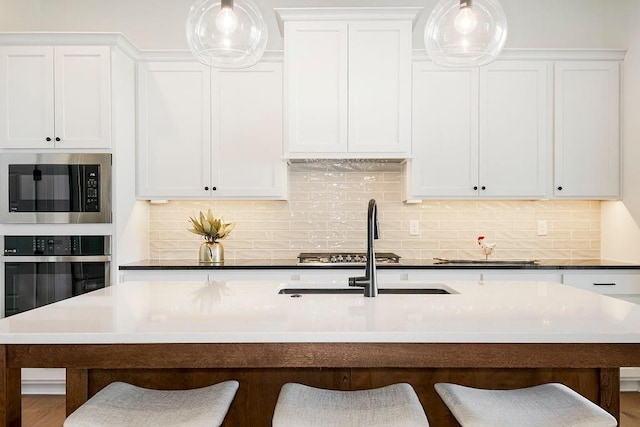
x: 355, y: 281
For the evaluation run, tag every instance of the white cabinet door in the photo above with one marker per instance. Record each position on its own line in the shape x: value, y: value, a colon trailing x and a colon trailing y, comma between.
x: 174, y: 130
x: 523, y: 275
x: 26, y: 97
x: 196, y: 141
x: 316, y: 76
x: 587, y: 129
x: 348, y: 88
x: 247, y: 133
x: 515, y: 134
x: 622, y: 284
x: 162, y: 275
x: 72, y: 110
x: 445, y: 132
x: 380, y: 87
x: 441, y: 275
x: 82, y: 97
x: 484, y: 135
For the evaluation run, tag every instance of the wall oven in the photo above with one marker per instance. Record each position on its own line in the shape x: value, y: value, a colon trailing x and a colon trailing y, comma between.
x: 40, y: 270
x: 55, y: 188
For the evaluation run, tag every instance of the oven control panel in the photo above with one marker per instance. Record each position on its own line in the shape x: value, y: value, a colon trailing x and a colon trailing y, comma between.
x: 91, y: 190
x: 54, y: 245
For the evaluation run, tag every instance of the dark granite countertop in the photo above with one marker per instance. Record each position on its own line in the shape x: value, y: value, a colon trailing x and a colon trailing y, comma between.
x: 277, y: 264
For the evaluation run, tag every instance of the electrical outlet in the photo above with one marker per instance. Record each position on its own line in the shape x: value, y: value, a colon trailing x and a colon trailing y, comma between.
x: 414, y: 228
x: 542, y: 228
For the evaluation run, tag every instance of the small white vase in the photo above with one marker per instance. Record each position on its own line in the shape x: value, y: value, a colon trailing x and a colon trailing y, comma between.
x: 211, y: 253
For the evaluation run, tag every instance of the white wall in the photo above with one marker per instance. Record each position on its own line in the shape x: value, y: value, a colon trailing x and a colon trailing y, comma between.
x: 631, y: 124
x: 620, y: 238
x: 620, y: 220
x: 20, y: 15
x: 159, y: 24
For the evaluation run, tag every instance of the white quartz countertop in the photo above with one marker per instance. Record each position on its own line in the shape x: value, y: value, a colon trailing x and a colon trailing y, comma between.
x: 252, y: 311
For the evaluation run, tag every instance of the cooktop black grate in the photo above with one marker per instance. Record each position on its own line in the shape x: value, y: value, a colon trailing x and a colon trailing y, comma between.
x: 345, y: 258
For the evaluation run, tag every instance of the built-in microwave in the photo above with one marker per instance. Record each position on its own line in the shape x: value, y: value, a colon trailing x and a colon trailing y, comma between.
x: 55, y: 188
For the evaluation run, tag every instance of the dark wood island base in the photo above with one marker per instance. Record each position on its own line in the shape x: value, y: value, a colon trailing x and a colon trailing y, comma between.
x: 262, y: 368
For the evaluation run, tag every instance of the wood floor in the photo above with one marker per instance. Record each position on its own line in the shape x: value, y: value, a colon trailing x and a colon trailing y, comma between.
x: 48, y: 411
x: 629, y: 409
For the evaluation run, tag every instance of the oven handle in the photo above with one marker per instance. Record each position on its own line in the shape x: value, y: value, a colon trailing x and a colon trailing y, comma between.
x: 71, y: 258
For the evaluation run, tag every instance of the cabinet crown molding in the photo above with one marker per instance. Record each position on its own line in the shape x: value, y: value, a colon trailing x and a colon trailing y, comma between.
x: 187, y: 56
x: 535, y: 54
x: 346, y: 14
x: 70, y: 39
x: 420, y: 55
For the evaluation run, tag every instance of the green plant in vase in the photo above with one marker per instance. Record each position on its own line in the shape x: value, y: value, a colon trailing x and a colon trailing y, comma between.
x: 211, y: 229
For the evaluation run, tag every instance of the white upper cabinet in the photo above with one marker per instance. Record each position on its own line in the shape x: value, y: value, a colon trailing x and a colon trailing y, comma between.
x: 515, y: 129
x: 445, y: 132
x: 379, y: 87
x: 316, y: 83
x: 247, y: 133
x: 348, y: 85
x: 210, y: 134
x: 480, y: 133
x: 174, y: 129
x: 587, y: 129
x: 55, y: 97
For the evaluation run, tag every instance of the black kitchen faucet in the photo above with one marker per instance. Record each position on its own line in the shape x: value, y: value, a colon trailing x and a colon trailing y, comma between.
x: 370, y: 279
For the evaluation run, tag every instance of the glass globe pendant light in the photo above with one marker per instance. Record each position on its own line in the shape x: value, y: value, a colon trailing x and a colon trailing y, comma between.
x: 465, y: 33
x: 226, y: 33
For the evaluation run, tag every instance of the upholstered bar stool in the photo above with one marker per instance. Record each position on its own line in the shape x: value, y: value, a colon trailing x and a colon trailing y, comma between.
x: 121, y: 404
x: 396, y: 405
x: 540, y: 406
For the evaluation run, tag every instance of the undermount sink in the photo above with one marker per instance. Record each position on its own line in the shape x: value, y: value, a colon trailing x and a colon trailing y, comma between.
x: 406, y: 291
x: 336, y: 289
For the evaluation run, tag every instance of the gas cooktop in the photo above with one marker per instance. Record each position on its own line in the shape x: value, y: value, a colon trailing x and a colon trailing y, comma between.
x: 351, y: 258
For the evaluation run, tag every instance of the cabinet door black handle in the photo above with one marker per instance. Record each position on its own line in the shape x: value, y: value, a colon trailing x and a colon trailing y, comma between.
x: 475, y: 188
x: 57, y: 138
x: 214, y: 188
x: 483, y: 188
x: 48, y: 139
x: 206, y: 188
x: 604, y: 284
x: 560, y: 188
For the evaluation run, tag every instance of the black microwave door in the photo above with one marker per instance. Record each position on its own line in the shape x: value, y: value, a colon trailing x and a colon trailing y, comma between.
x: 45, y: 188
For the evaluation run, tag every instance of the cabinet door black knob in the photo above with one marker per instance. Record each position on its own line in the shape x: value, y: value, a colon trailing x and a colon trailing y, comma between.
x: 560, y: 188
x: 57, y: 138
x: 206, y: 188
x: 214, y: 188
x: 48, y: 139
x: 475, y: 188
x: 483, y: 188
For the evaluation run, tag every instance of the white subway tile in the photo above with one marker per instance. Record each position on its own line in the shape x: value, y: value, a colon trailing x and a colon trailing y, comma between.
x: 327, y: 211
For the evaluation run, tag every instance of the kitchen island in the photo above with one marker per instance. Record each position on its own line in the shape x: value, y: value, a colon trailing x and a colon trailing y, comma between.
x: 189, y: 334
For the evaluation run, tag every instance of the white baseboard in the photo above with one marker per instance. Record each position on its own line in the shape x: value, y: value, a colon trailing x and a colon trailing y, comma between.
x: 629, y: 379
x: 629, y: 382
x: 39, y: 387
x: 43, y: 381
